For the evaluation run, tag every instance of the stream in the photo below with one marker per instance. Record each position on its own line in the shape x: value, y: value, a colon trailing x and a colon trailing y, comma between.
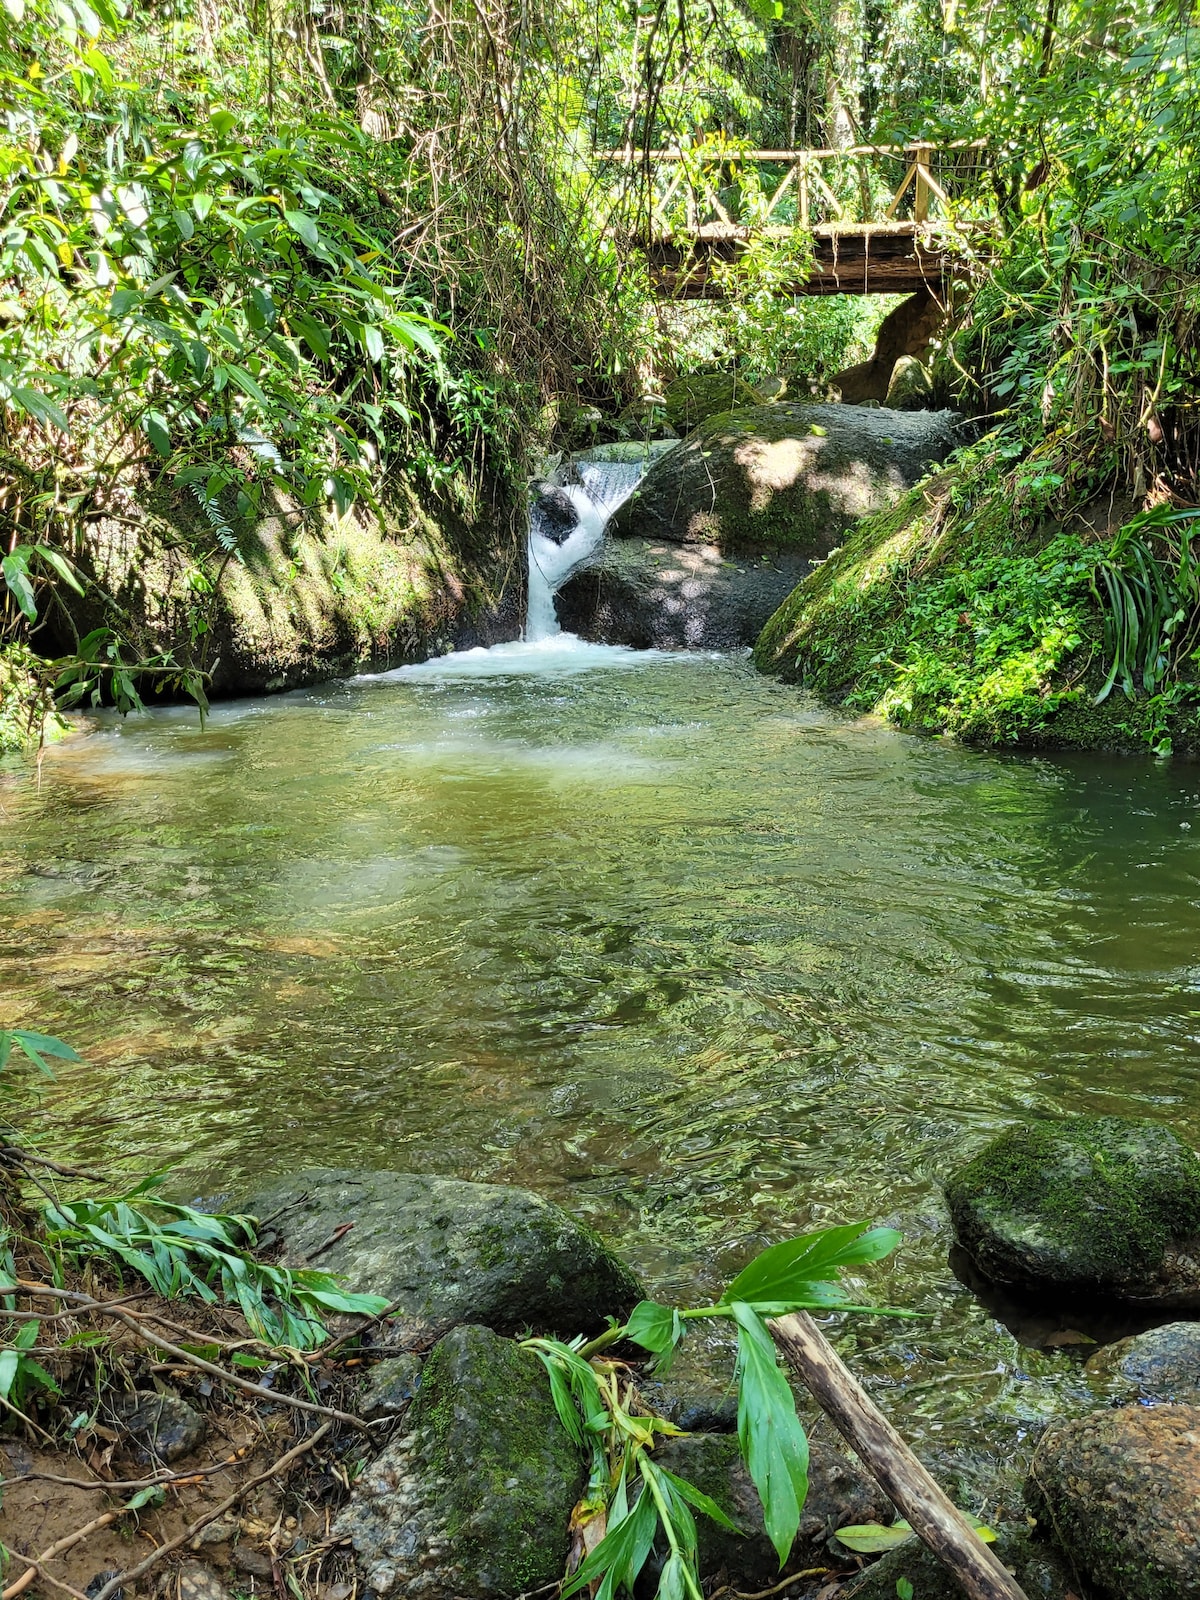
x: 651, y: 934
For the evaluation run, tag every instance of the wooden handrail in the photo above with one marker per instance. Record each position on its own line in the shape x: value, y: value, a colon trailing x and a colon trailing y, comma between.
x: 705, y: 153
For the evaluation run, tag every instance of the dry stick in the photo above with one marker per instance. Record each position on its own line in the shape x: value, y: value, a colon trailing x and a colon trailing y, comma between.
x: 85, y: 1302
x: 167, y: 1480
x: 190, y: 1533
x: 932, y: 1517
x: 26, y: 1578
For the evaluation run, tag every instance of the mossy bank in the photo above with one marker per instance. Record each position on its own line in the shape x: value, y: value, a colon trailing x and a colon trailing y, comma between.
x: 960, y: 612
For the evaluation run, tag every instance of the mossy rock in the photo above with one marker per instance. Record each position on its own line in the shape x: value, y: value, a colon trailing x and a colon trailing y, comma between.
x: 1105, y: 1205
x: 474, y: 1500
x: 783, y: 478
x: 692, y: 400
x: 1038, y: 1568
x: 1119, y: 1492
x: 448, y: 1252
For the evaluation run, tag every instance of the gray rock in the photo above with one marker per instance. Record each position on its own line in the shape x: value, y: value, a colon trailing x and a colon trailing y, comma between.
x: 1163, y: 1364
x: 1038, y: 1569
x: 652, y: 595
x: 451, y: 1252
x: 1094, y: 1204
x: 196, y: 1582
x: 839, y: 1493
x: 1119, y: 1492
x: 164, y: 1426
x: 390, y: 1386
x: 698, y: 1392
x: 783, y: 477
x: 692, y: 400
x: 474, y: 1500
x: 556, y: 513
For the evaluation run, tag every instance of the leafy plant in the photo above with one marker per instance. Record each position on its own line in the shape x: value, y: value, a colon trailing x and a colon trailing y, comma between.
x: 36, y: 1046
x: 180, y: 1251
x: 636, y: 1497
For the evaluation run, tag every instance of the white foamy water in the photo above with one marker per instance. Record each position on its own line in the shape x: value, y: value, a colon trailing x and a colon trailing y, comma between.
x: 559, y: 655
x: 602, y: 487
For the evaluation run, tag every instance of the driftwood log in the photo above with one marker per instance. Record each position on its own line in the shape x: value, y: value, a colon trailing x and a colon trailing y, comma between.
x: 933, y: 1518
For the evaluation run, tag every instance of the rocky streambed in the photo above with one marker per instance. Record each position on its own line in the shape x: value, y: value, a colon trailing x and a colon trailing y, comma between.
x: 473, y: 1493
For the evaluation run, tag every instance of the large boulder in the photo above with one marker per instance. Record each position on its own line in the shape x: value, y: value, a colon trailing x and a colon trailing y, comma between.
x: 839, y: 1494
x: 783, y: 478
x: 1119, y: 1491
x: 907, y: 330
x: 1038, y: 1569
x: 1101, y: 1205
x: 448, y: 1252
x: 1163, y: 1364
x: 473, y: 1501
x: 656, y: 596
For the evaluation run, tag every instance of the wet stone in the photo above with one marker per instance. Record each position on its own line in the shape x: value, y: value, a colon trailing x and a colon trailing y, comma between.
x: 1163, y: 1364
x: 1119, y: 1492
x: 447, y: 1252
x: 197, y: 1582
x: 1039, y: 1570
x: 839, y: 1494
x: 698, y: 1393
x: 164, y: 1426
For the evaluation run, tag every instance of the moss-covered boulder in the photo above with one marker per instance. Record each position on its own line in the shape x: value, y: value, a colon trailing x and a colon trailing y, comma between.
x: 692, y: 400
x: 783, y: 477
x: 1103, y: 1205
x: 1038, y: 1568
x: 839, y: 1494
x: 1162, y: 1364
x: 473, y: 1501
x: 449, y: 1252
x: 1119, y: 1492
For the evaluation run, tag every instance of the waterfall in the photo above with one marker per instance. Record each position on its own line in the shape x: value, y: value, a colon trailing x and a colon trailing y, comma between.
x: 603, y: 484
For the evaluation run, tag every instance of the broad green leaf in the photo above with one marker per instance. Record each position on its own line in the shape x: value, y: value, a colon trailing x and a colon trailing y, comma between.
x: 44, y: 1044
x: 872, y: 1538
x: 302, y: 224
x: 655, y: 1327
x: 9, y: 1362
x: 786, y: 1270
x: 773, y: 1443
x: 701, y: 1501
x: 155, y: 425
x: 16, y: 575
x: 154, y: 1495
x: 247, y: 384
x: 54, y: 559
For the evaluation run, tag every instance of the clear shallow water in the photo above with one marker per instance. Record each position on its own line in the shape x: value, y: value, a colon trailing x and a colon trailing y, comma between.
x: 650, y: 934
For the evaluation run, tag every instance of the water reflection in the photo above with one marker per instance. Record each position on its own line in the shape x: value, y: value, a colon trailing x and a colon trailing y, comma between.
x: 664, y: 942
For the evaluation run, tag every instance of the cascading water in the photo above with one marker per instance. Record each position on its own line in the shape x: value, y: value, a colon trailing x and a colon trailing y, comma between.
x: 601, y: 488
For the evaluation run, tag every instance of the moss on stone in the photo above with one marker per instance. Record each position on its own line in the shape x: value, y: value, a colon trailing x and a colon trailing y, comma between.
x: 692, y: 400
x: 1089, y: 1203
x: 948, y: 613
x: 507, y: 1474
x: 24, y: 719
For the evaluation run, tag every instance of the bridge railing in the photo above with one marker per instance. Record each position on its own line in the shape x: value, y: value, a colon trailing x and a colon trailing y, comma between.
x: 720, y: 191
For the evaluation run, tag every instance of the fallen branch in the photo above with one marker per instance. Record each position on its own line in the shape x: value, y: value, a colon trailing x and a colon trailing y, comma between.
x: 106, y: 1308
x: 165, y: 1480
x: 57, y: 1548
x: 134, y: 1573
x: 932, y: 1517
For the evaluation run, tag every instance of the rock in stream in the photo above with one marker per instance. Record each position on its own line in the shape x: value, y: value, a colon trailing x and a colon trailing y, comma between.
x: 450, y: 1252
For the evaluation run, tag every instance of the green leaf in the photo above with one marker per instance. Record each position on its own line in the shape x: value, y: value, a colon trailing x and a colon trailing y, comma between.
x: 623, y: 1549
x: 695, y: 1497
x: 302, y: 224
x: 15, y: 570
x: 872, y: 1538
x: 786, y: 1272
x: 202, y: 204
x: 154, y: 1495
x: 773, y: 1443
x: 247, y: 385
x: 9, y: 1362
x: 54, y: 559
x: 904, y: 1589
x: 155, y: 425
x: 655, y: 1327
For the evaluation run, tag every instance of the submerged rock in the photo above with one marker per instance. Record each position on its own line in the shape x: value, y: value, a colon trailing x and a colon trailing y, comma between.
x: 555, y: 513
x: 783, y: 477
x: 651, y: 595
x: 164, y: 1426
x: 448, y: 1252
x: 839, y: 1494
x: 699, y: 1391
x: 1089, y: 1204
x: 1163, y: 1364
x: 474, y: 1500
x: 1038, y: 1569
x: 1119, y: 1491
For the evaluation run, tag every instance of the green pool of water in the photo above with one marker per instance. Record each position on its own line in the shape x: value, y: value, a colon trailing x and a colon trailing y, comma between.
x: 659, y: 939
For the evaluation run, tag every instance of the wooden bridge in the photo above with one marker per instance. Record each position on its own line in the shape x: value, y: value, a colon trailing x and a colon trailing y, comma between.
x: 880, y: 219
